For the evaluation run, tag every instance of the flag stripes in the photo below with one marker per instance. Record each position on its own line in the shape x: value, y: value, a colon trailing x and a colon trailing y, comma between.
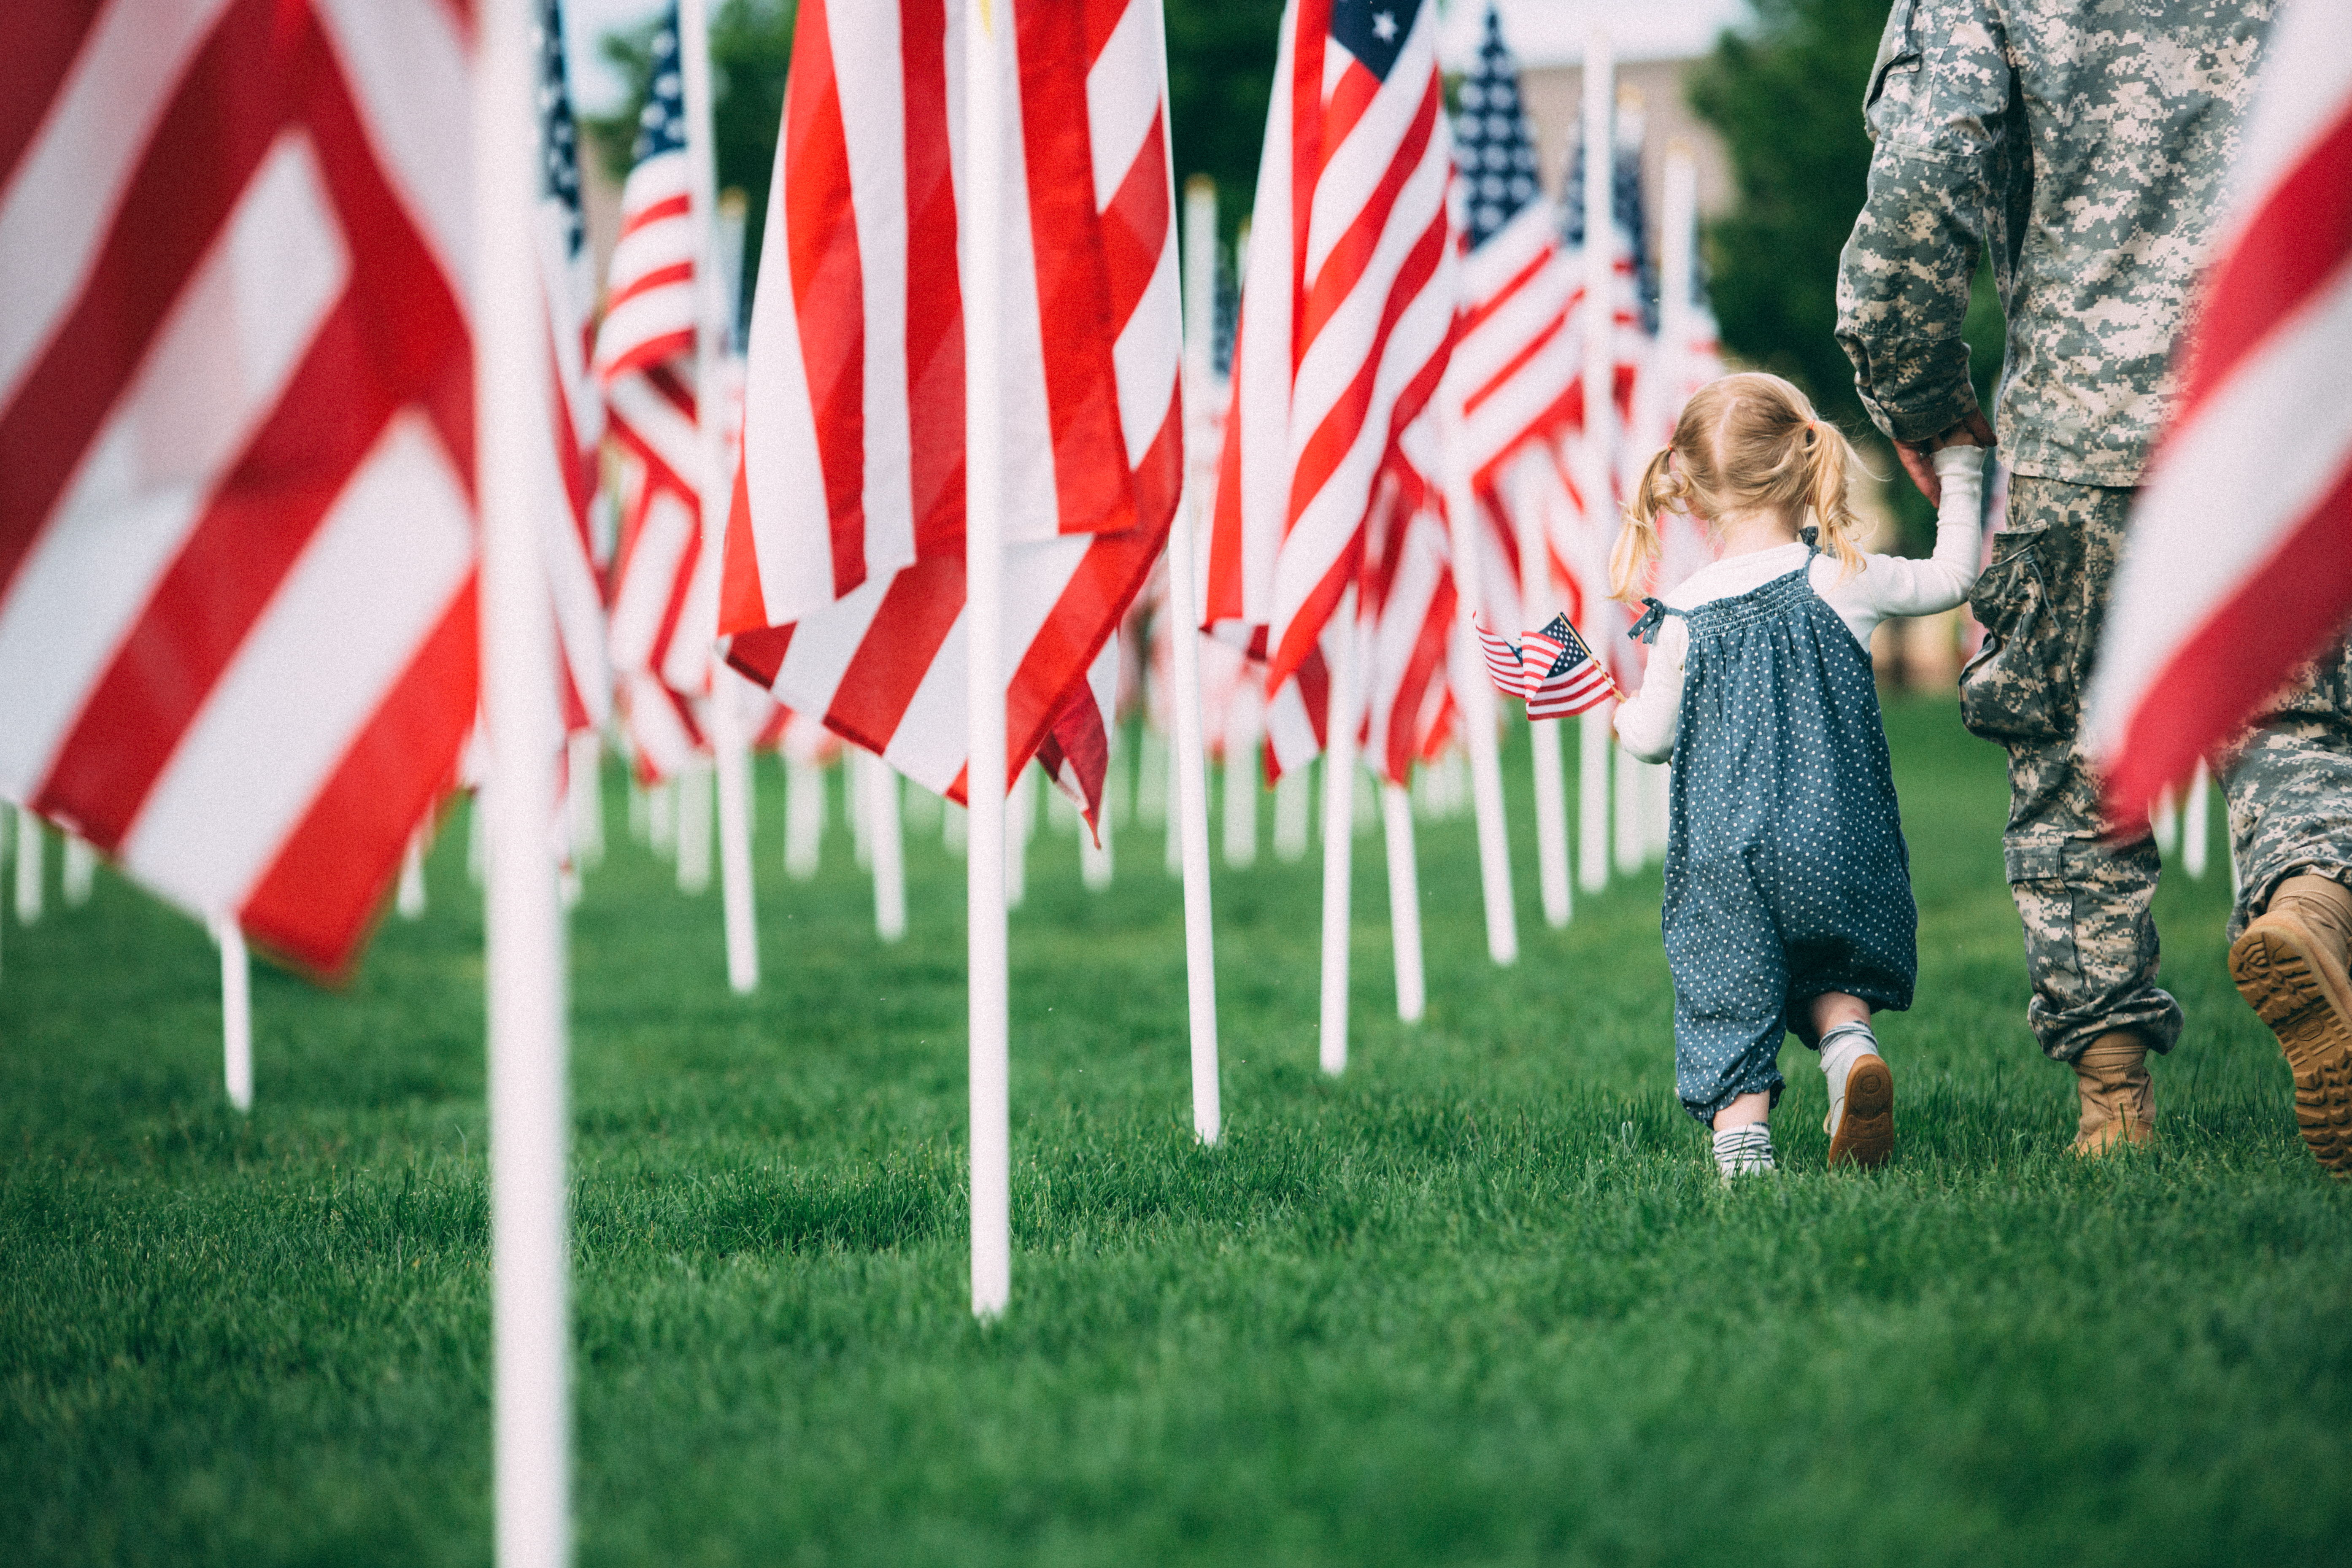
x: 2207, y: 622
x: 236, y: 639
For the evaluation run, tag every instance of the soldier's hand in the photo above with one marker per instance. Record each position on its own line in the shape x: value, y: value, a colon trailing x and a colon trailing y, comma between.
x: 1917, y: 457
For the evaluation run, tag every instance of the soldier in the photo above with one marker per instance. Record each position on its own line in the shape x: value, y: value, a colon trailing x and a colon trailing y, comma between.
x: 2083, y: 144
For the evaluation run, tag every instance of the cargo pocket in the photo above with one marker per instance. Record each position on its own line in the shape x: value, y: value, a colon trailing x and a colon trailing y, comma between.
x: 2019, y: 687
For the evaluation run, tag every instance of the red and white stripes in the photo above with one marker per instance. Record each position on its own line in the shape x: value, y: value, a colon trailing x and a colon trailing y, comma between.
x: 236, y: 556
x: 1347, y: 312
x: 842, y: 582
x: 2240, y: 563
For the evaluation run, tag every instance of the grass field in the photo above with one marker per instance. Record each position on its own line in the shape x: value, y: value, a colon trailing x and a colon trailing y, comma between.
x: 1480, y: 1302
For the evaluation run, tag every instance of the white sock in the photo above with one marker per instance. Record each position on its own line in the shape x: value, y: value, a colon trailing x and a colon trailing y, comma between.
x: 1744, y: 1151
x: 1840, y: 1048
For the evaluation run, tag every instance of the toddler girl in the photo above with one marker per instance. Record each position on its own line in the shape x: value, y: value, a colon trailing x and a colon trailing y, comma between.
x: 1788, y: 890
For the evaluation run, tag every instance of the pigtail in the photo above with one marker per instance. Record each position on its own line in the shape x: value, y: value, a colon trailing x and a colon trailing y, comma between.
x: 1827, y: 455
x: 1662, y: 489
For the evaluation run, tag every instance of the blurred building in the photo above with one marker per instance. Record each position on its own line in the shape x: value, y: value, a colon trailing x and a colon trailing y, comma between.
x: 1657, y: 43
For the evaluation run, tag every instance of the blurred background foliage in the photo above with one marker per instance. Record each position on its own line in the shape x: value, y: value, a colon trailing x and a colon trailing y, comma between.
x: 1785, y: 93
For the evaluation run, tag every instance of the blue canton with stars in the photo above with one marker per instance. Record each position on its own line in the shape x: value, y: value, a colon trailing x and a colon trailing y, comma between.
x: 661, y: 124
x: 559, y: 138
x: 1493, y: 146
x: 1374, y: 31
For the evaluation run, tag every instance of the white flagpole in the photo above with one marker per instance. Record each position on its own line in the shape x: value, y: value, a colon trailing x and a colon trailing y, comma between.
x: 985, y: 132
x: 2164, y: 822
x: 1480, y: 718
x: 731, y: 753
x: 1294, y: 805
x: 237, y: 1012
x: 692, y: 787
x: 1094, y: 858
x: 1199, y: 277
x: 2196, y: 829
x: 80, y: 873
x: 1020, y: 822
x: 1633, y: 842
x: 881, y: 785
x: 1597, y: 449
x: 1541, y: 600
x: 530, y: 1262
x: 1677, y: 261
x: 1244, y: 729
x: 583, y: 772
x: 804, y: 818
x: 32, y: 847
x: 1405, y: 902
x: 410, y: 899
x: 1339, y: 834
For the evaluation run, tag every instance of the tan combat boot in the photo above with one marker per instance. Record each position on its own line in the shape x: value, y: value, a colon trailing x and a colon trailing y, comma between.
x: 2119, y: 1100
x: 2290, y: 968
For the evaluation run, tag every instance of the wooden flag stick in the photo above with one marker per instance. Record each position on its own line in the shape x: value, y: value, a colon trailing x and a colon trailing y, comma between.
x: 1192, y: 793
x: 1339, y: 833
x: 529, y: 1251
x: 1404, y: 901
x: 987, y: 36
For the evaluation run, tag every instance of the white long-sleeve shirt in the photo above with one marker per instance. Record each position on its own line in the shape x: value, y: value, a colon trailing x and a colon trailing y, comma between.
x: 1648, y: 722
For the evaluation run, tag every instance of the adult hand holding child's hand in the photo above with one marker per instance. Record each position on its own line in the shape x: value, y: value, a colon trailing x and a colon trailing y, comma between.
x: 1918, y: 457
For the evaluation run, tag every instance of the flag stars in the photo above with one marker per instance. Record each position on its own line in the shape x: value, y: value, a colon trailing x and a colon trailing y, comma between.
x: 1384, y: 26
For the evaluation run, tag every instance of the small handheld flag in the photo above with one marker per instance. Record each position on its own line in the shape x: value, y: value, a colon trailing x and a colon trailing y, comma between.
x: 1553, y: 671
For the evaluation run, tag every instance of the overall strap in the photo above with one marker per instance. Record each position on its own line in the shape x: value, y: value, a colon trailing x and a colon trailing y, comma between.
x: 1646, y: 628
x: 1813, y: 538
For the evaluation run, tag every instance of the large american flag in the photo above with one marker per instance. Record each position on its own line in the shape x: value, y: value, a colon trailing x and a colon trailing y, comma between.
x: 1515, y: 365
x: 237, y: 624
x: 1407, y: 612
x: 843, y: 580
x: 2239, y: 564
x: 664, y: 583
x: 1346, y: 313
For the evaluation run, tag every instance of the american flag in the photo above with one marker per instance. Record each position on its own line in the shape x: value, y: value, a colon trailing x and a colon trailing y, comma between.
x: 1407, y: 613
x: 237, y: 621
x: 843, y: 581
x: 1346, y: 313
x: 2239, y: 562
x: 568, y: 283
x: 664, y: 583
x: 649, y: 300
x: 1552, y: 669
x: 1515, y: 364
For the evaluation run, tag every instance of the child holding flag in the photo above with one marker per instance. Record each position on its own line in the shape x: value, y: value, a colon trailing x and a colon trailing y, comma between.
x: 1788, y: 891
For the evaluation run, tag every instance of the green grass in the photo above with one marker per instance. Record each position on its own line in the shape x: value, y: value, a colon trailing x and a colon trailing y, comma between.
x: 1480, y: 1301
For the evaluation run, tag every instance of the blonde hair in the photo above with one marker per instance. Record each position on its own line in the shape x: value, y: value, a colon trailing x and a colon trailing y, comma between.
x: 1744, y: 443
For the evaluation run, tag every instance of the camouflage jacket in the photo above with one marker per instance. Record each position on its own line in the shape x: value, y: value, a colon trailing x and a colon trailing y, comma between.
x: 2083, y: 143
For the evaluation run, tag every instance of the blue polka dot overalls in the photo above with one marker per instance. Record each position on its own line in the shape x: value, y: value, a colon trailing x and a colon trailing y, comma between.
x: 1786, y: 871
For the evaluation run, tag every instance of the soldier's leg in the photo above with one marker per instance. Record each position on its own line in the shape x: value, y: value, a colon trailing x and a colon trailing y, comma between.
x: 2090, y: 938
x: 2290, y: 792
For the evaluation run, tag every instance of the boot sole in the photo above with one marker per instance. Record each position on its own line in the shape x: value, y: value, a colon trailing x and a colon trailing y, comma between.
x: 2282, y: 982
x: 1866, y: 1137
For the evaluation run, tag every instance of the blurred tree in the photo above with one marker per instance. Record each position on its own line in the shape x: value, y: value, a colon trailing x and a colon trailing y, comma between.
x: 1787, y: 96
x: 751, y: 55
x: 1220, y: 57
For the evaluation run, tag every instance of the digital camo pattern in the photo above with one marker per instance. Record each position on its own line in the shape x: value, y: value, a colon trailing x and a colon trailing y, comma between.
x: 2090, y: 940
x: 2082, y: 143
x: 2289, y: 786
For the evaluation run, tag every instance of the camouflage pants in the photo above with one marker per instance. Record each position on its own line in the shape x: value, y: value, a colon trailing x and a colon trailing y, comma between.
x: 2090, y: 940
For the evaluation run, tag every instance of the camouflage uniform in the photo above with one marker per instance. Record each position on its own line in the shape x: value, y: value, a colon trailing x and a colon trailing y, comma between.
x: 2083, y: 144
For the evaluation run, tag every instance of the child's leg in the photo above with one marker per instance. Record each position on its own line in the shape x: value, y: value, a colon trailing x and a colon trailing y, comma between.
x: 1742, y: 1111
x: 1861, y: 1122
